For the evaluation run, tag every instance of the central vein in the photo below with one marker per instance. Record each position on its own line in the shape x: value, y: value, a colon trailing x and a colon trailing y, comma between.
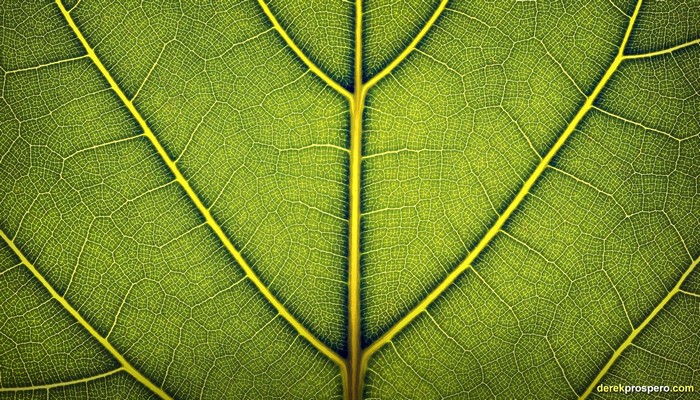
x: 354, y: 365
x: 353, y: 388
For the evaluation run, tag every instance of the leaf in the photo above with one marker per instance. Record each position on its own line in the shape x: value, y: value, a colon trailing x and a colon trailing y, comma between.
x: 423, y: 199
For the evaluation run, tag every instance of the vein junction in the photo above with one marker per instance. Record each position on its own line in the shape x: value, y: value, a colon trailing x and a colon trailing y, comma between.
x: 126, y: 365
x: 525, y: 189
x: 510, y: 209
x: 353, y: 366
x: 196, y: 200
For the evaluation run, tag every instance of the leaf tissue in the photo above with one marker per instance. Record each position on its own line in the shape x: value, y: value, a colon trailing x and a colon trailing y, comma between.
x: 418, y: 199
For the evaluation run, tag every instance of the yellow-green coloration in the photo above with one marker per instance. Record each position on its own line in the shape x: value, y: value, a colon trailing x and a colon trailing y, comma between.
x: 380, y: 199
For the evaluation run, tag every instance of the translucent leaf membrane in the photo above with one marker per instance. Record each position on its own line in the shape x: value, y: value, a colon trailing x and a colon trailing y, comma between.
x: 664, y: 24
x: 257, y: 137
x: 115, y: 386
x: 32, y: 34
x: 323, y: 30
x: 594, y: 249
x: 34, y: 330
x: 663, y: 354
x: 175, y: 198
x: 389, y: 26
x: 452, y: 136
x: 119, y: 240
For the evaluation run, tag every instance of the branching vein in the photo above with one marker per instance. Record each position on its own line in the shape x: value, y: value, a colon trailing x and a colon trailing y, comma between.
x: 353, y: 366
x: 60, y: 384
x: 303, y: 57
x: 522, y: 193
x: 264, y: 290
x: 408, y: 50
x: 664, y: 51
x: 676, y: 289
x: 126, y: 365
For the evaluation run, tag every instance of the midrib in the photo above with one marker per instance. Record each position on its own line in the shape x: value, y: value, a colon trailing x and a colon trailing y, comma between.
x: 357, y: 357
x: 353, y: 388
x: 353, y: 367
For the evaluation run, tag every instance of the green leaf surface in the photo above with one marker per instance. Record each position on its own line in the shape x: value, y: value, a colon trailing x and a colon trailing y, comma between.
x: 334, y: 199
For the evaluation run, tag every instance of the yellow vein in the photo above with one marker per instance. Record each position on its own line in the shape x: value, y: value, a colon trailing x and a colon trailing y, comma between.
x: 664, y: 51
x: 387, y: 70
x: 353, y: 389
x: 36, y: 67
x: 310, y: 64
x: 676, y: 289
x: 667, y: 359
x: 635, y: 123
x: 689, y: 293
x: 74, y: 6
x: 73, y: 312
x: 356, y: 362
x: 281, y: 309
x: 60, y: 384
x: 522, y: 193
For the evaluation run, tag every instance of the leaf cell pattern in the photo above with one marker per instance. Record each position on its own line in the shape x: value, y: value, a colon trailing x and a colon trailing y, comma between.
x: 333, y: 199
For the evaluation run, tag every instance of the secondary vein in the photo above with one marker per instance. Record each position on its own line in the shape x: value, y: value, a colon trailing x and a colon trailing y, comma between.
x: 676, y: 289
x: 126, y: 365
x: 663, y: 51
x: 522, y: 193
x: 49, y: 386
x: 408, y: 50
x: 213, y: 224
x: 303, y: 57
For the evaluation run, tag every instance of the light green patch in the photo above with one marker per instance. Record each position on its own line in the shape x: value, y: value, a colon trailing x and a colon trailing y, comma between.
x: 199, y: 200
